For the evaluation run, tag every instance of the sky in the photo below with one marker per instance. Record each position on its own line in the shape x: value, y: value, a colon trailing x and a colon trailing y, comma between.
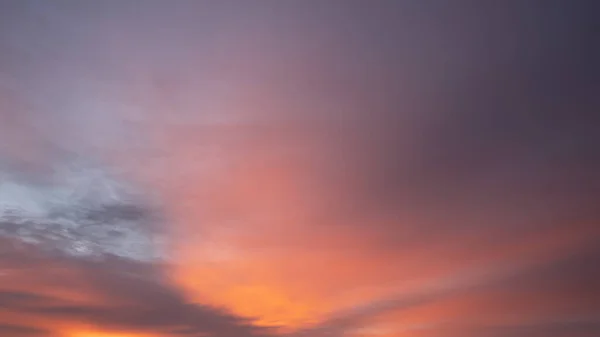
x: 281, y: 168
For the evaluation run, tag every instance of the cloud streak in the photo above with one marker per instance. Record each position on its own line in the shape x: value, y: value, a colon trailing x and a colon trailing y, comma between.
x: 118, y: 299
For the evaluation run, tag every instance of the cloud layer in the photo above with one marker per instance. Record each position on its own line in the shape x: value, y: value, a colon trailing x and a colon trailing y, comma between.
x: 325, y: 168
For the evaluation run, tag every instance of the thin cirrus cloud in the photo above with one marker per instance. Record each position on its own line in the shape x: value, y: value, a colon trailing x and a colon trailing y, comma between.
x: 334, y: 168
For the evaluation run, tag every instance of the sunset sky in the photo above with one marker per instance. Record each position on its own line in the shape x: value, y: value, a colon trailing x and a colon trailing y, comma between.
x: 339, y: 168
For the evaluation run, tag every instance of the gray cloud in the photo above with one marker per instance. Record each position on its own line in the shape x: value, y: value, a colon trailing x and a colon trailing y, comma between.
x: 80, y: 210
x: 133, y: 297
x: 42, y: 222
x: 23, y: 331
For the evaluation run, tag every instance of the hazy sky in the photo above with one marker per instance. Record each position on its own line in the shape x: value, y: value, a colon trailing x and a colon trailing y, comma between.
x: 322, y: 168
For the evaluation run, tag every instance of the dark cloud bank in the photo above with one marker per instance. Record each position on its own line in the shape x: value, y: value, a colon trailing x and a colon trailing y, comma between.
x: 131, y: 303
x: 100, y: 243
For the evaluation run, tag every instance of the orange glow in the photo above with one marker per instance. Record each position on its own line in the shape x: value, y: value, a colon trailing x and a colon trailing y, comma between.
x: 99, y: 333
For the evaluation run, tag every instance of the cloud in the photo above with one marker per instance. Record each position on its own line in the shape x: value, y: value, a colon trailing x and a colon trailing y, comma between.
x: 17, y: 299
x: 123, y: 301
x: 23, y: 331
x: 112, y: 284
x: 576, y: 327
x: 560, y: 285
